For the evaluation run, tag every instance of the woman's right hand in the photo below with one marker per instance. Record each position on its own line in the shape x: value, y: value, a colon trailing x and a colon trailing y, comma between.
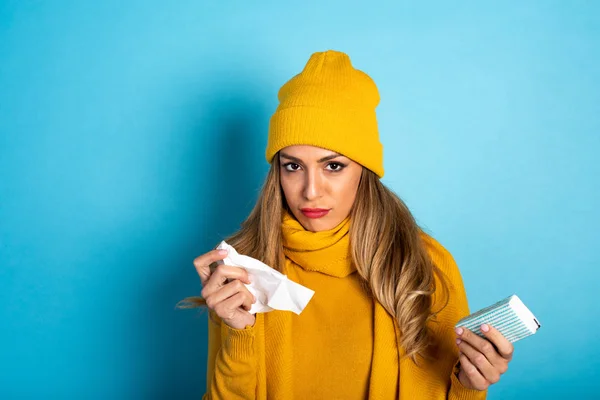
x: 224, y: 291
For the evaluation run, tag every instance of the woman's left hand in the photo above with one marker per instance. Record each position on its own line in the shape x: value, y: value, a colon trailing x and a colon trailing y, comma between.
x: 482, y: 361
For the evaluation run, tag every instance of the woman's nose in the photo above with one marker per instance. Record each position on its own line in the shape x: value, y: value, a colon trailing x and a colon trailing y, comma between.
x: 313, y: 185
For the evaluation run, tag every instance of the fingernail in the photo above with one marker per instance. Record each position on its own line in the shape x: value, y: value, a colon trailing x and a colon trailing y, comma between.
x: 459, y: 331
x: 485, y: 328
x: 222, y: 252
x: 458, y: 341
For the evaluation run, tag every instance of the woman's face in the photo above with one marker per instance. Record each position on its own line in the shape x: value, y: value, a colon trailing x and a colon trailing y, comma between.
x: 313, y: 177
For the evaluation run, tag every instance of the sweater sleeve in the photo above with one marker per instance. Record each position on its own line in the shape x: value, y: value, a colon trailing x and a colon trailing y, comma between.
x: 457, y: 390
x: 231, y: 361
x: 456, y: 309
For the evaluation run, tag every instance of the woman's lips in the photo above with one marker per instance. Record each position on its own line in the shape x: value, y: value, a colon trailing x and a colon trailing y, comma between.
x: 314, y: 212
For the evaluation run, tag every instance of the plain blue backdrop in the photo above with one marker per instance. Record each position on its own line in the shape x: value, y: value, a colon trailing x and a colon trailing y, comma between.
x: 132, y: 139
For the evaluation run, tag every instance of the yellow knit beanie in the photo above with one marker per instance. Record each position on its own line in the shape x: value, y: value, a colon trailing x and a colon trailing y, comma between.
x: 330, y: 104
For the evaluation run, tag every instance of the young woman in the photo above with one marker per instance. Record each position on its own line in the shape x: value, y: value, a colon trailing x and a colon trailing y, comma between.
x: 387, y: 295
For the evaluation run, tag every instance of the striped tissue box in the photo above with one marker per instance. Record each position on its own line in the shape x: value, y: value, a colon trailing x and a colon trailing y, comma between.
x: 510, y: 316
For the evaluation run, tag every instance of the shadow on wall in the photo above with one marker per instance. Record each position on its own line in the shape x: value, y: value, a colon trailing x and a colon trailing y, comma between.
x: 229, y: 167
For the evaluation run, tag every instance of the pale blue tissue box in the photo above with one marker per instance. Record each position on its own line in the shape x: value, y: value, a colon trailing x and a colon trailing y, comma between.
x: 509, y: 316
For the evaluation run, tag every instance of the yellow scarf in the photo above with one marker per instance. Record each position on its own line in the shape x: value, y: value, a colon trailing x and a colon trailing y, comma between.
x: 393, y: 376
x: 328, y: 252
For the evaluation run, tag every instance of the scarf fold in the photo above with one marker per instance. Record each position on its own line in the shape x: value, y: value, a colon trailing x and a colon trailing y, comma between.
x: 328, y: 252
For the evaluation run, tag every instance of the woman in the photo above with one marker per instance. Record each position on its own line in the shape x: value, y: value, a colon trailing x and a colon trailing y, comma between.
x: 387, y: 295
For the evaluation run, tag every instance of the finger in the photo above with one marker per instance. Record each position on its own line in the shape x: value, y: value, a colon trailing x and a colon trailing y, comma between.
x: 480, y: 361
x: 202, y: 263
x: 477, y: 380
x: 228, y: 308
x: 503, y: 346
x: 219, y: 278
x: 228, y: 290
x: 482, y: 345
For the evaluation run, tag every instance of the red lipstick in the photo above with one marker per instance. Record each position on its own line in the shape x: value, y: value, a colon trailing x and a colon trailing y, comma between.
x: 314, y: 212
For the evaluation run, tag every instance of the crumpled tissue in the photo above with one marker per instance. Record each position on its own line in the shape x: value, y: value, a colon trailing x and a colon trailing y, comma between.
x: 272, y: 289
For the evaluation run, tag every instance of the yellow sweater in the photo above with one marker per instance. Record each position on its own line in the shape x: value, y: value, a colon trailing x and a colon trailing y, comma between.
x: 332, y: 346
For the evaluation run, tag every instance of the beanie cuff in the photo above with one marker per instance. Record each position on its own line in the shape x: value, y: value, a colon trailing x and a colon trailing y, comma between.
x: 350, y: 132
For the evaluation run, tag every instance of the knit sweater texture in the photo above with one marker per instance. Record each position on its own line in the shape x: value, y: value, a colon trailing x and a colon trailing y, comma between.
x: 343, y: 345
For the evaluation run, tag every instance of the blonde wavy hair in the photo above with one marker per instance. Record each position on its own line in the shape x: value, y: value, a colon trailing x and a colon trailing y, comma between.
x: 386, y: 245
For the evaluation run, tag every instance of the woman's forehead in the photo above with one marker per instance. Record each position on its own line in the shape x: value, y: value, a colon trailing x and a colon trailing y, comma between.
x: 307, y: 152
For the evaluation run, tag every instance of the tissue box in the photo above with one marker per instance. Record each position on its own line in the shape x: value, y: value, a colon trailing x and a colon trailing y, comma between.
x: 509, y: 316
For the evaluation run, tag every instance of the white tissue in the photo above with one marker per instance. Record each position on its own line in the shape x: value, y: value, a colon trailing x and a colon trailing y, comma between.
x: 272, y: 289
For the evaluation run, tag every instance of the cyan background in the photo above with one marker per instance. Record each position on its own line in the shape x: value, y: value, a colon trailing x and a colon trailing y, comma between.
x: 132, y: 139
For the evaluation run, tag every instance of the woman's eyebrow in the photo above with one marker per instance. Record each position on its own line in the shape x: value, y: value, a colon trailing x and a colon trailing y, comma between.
x: 329, y: 157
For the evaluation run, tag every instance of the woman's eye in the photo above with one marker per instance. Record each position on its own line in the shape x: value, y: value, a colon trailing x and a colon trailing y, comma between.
x: 337, y: 166
x: 334, y: 167
x: 292, y: 165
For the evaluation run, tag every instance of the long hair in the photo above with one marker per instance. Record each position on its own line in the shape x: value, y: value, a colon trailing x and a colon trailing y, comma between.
x: 386, y: 246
